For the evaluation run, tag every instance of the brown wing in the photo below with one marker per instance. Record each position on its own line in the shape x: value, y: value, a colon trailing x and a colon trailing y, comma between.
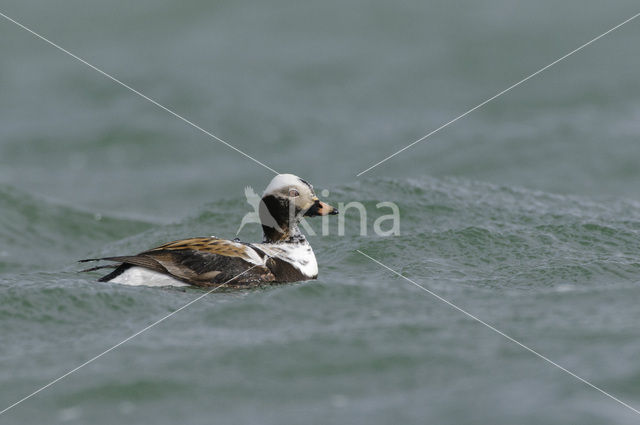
x: 210, y: 245
x: 202, y: 262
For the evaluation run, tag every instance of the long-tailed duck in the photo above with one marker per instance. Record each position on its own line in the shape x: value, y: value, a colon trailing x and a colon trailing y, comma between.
x: 283, y: 256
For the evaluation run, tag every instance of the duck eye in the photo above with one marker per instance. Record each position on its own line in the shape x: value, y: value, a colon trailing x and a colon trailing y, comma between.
x: 293, y: 193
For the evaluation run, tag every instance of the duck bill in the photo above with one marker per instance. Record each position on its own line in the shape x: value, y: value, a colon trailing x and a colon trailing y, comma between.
x: 320, y: 208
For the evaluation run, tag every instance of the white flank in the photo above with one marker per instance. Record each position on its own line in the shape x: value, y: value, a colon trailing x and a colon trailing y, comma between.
x: 139, y: 276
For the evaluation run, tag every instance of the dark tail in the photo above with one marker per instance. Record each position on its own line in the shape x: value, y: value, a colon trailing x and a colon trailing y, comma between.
x: 119, y: 268
x: 125, y: 262
x: 93, y: 269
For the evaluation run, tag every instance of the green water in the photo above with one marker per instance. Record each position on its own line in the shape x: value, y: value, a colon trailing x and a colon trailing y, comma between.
x: 526, y: 213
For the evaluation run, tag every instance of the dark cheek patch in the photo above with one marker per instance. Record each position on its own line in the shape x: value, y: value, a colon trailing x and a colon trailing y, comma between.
x: 313, y: 210
x: 276, y: 208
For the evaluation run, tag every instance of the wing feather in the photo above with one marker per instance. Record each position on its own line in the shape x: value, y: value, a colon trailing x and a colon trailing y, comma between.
x: 141, y: 260
x: 204, y: 261
x: 209, y: 245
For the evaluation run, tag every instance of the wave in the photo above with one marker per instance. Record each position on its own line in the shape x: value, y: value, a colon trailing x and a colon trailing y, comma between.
x: 36, y: 233
x: 456, y: 230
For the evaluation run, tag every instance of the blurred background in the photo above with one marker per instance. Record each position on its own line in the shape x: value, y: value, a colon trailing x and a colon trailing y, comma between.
x: 527, y: 211
x: 320, y: 89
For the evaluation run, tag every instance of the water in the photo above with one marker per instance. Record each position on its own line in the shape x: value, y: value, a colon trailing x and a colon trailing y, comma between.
x: 525, y: 213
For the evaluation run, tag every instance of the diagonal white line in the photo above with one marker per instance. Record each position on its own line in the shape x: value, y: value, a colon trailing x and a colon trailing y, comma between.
x: 120, y: 343
x: 500, y: 94
x: 175, y: 114
x: 546, y: 359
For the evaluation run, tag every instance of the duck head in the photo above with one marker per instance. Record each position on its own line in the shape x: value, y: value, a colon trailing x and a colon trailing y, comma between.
x: 285, y: 201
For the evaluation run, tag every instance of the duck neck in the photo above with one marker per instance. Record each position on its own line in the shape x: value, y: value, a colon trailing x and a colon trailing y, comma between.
x: 279, y: 224
x: 286, y: 234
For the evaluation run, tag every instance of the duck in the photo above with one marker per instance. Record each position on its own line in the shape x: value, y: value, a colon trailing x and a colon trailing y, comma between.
x: 284, y: 255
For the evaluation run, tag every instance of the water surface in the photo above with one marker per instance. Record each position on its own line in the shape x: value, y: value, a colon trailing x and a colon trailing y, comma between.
x: 525, y: 213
